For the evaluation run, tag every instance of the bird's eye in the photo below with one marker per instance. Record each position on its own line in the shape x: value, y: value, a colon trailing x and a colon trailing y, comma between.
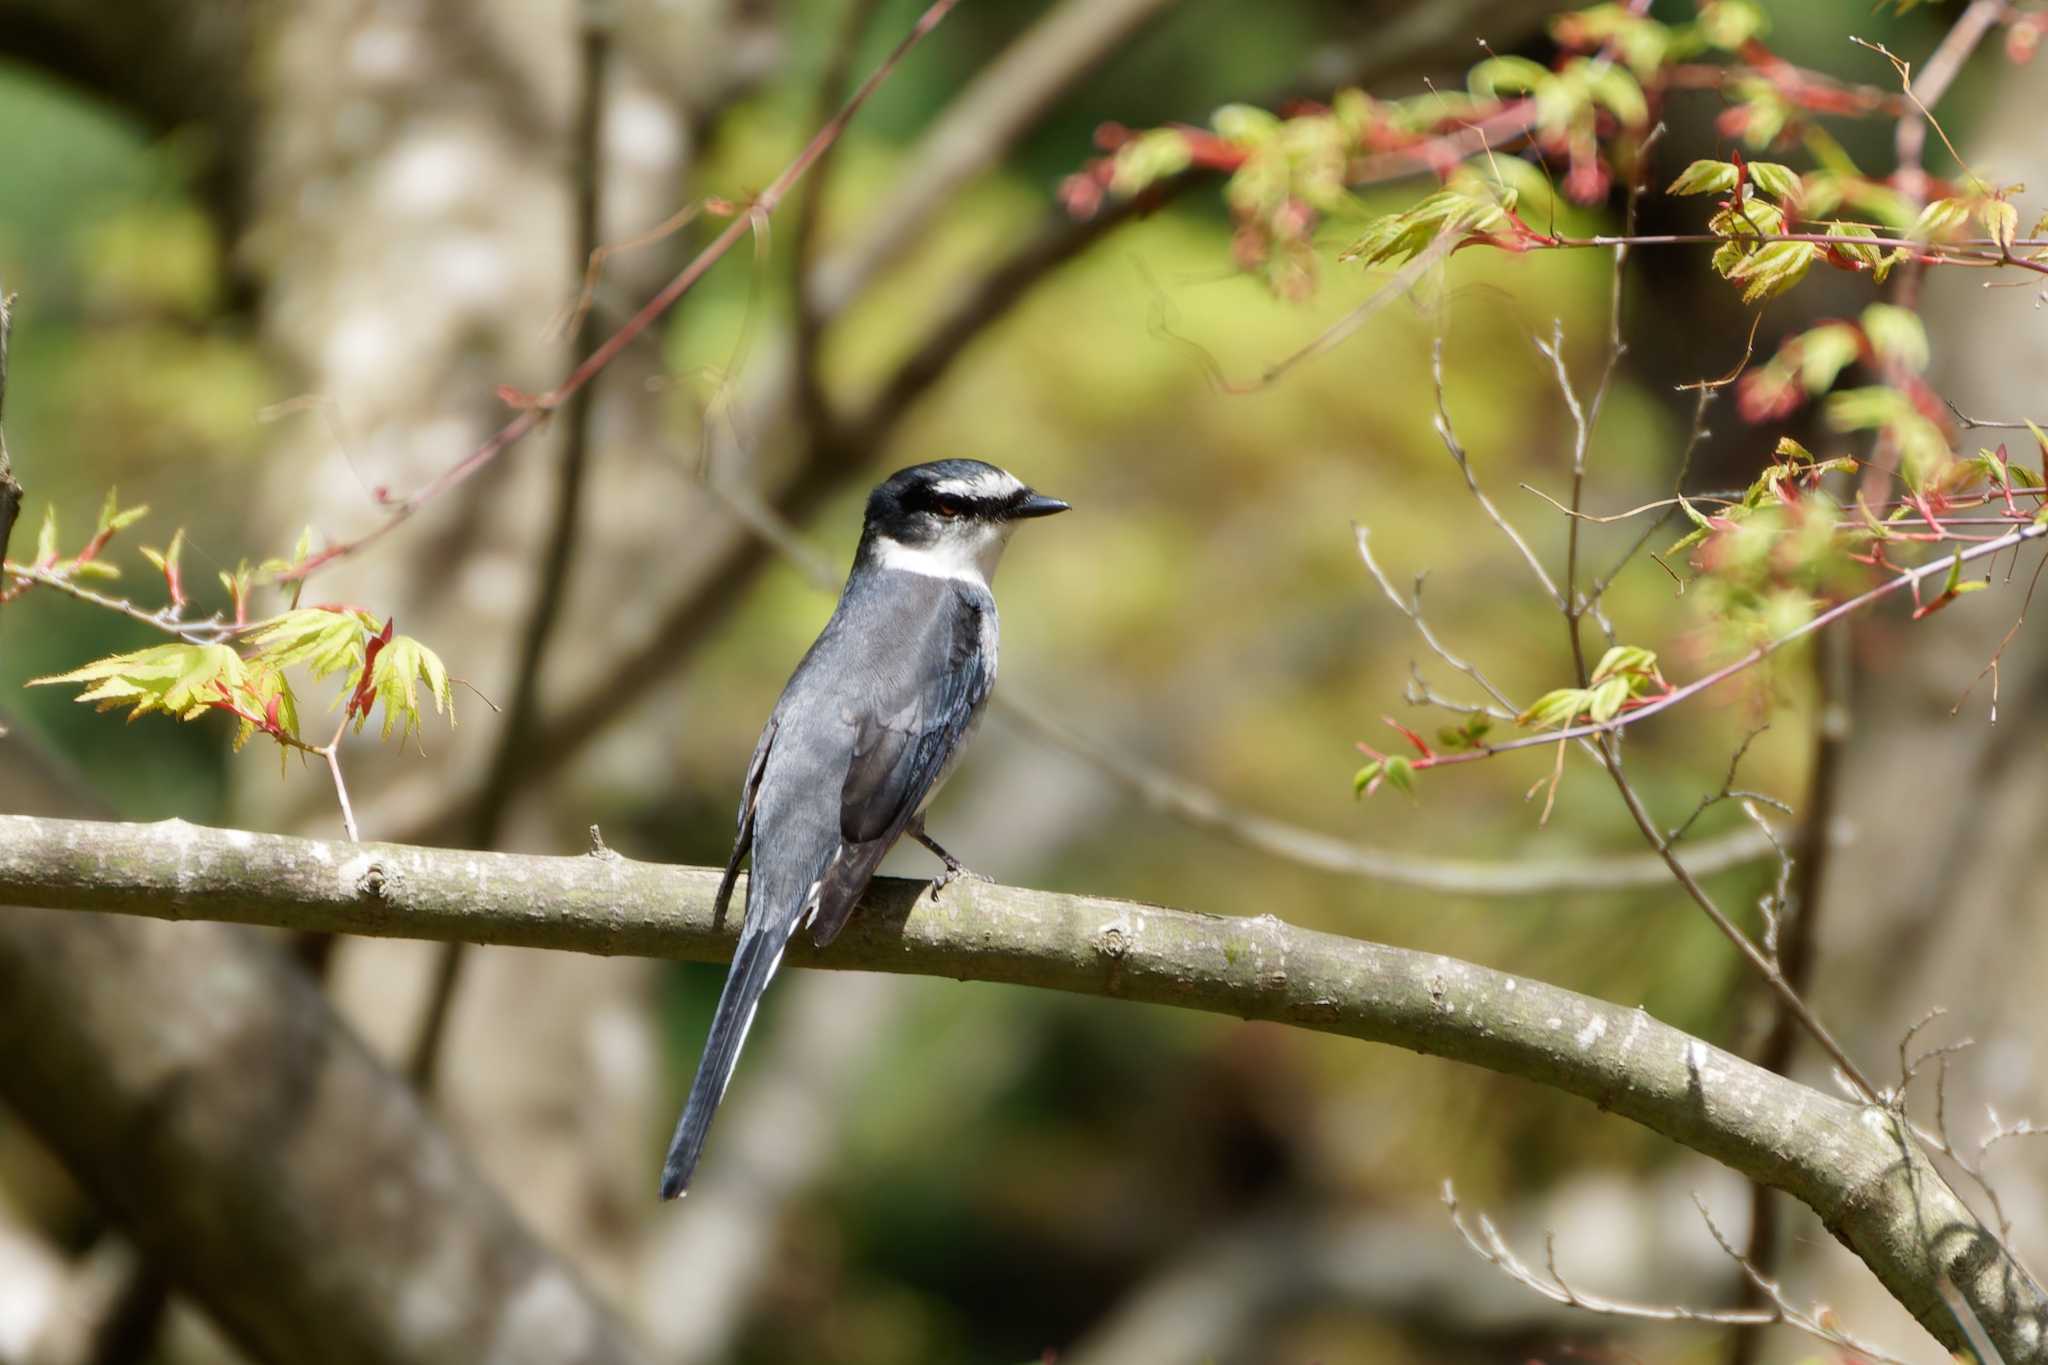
x: 946, y: 508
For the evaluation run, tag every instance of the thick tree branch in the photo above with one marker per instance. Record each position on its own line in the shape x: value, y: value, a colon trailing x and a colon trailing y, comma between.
x: 1877, y: 1193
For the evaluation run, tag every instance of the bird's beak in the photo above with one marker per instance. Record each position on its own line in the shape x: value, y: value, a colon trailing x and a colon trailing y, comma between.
x: 1039, y: 505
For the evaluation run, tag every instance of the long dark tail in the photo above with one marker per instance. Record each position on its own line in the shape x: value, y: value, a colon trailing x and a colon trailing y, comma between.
x: 753, y: 966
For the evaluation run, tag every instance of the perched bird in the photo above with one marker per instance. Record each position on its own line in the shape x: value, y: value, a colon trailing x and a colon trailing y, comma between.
x: 869, y: 725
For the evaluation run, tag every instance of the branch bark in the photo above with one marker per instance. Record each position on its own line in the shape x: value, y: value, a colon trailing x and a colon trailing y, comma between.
x: 1874, y: 1190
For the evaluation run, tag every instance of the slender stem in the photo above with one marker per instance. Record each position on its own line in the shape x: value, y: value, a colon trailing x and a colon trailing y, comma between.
x: 332, y: 753
x: 1933, y: 82
x: 165, y: 618
x: 1756, y: 957
x: 1448, y: 435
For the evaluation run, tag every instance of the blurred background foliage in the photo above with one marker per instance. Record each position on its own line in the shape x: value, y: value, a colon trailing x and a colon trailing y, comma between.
x: 1018, y: 1162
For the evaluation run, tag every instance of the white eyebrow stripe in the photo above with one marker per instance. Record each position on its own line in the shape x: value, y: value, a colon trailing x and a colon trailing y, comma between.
x: 994, y: 484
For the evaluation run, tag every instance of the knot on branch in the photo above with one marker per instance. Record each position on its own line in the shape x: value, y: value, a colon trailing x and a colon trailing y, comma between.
x: 374, y: 882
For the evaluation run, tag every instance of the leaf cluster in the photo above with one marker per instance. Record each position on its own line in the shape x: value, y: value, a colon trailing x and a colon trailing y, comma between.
x: 1624, y: 674
x: 243, y: 669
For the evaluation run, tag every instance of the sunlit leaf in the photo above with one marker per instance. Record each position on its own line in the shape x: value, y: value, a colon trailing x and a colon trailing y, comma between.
x: 1625, y: 660
x: 397, y: 666
x: 1939, y: 219
x: 1555, y: 708
x: 1507, y: 75
x: 1705, y: 177
x: 184, y: 680
x: 326, y: 642
x: 1778, y: 181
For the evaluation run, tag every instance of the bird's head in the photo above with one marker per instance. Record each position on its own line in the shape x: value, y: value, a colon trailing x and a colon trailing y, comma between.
x: 948, y: 519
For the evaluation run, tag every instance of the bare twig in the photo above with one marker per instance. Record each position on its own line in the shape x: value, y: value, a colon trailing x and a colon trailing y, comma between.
x: 1969, y: 423
x: 1925, y: 90
x: 1485, y: 1239
x: 1448, y: 435
x: 1728, y: 790
x: 1763, y: 959
x: 166, y: 618
x: 1692, y: 443
x: 1801, y: 901
x: 1939, y: 1137
x: 1765, y: 967
x: 1585, y: 418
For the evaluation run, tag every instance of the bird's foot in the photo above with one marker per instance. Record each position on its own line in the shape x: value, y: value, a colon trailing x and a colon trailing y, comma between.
x: 955, y: 869
x: 954, y: 872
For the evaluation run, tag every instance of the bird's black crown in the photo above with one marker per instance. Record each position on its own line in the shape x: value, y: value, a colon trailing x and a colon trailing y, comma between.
x: 912, y: 504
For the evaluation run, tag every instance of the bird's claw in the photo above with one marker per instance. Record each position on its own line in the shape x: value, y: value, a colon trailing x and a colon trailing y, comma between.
x: 953, y: 873
x: 955, y: 869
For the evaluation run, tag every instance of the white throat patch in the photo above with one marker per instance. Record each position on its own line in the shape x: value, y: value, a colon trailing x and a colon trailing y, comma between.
x: 967, y: 552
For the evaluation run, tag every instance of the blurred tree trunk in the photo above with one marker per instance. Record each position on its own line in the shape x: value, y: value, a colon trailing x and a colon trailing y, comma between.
x: 451, y: 128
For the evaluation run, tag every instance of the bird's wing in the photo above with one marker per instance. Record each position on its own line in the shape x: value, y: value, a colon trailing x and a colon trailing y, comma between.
x: 902, y: 744
x: 750, y: 792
